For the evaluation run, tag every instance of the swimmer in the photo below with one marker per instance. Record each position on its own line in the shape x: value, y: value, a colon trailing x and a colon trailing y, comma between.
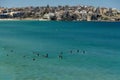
x: 33, y: 59
x: 24, y: 56
x: 11, y: 50
x: 46, y: 56
x: 71, y: 51
x: 60, y: 56
x: 38, y: 54
x: 78, y: 51
x: 61, y: 53
x: 83, y: 52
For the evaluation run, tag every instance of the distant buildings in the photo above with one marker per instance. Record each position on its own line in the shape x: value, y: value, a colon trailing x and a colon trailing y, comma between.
x: 67, y: 13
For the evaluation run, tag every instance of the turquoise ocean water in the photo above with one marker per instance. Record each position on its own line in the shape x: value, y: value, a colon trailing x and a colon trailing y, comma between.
x: 99, y: 40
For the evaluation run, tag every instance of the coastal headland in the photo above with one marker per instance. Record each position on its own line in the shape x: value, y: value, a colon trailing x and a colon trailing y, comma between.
x: 61, y: 13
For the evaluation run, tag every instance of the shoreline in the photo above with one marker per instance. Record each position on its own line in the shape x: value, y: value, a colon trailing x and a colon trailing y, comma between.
x: 31, y: 19
x: 9, y: 19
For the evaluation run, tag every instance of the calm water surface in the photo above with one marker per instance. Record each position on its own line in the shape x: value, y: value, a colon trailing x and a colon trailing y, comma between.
x: 99, y: 40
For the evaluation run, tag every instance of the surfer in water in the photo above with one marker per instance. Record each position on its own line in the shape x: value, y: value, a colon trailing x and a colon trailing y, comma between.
x: 60, y: 55
x: 46, y: 56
